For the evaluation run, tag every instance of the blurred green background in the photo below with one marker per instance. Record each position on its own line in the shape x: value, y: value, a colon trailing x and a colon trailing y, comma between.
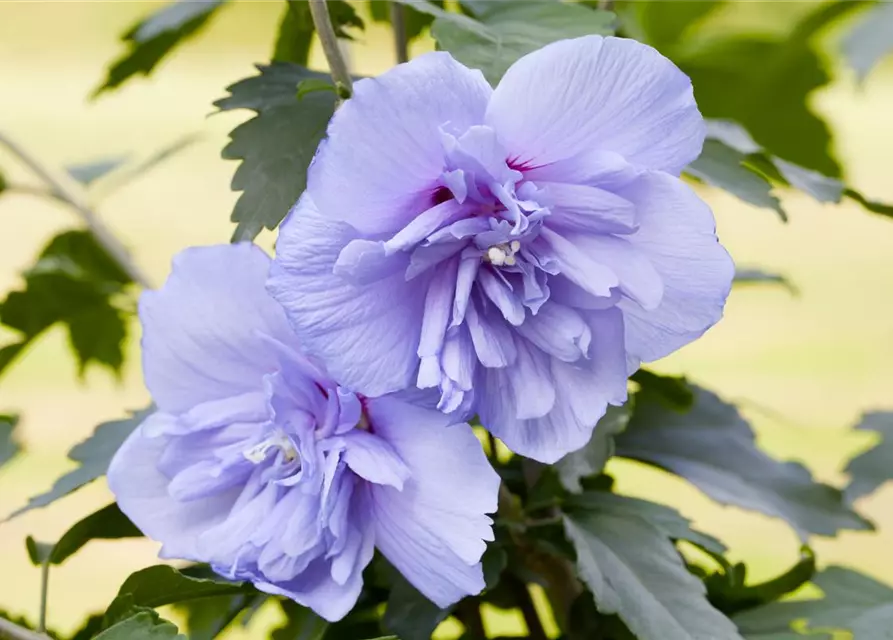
x: 803, y: 368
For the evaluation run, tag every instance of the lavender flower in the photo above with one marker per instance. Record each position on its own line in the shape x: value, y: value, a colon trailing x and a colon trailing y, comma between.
x: 520, y: 250
x: 259, y: 464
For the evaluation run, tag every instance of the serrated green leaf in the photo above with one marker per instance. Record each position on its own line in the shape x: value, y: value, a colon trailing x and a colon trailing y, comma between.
x: 414, y: 21
x: 591, y: 459
x: 409, y: 614
x: 747, y: 276
x: 634, y: 570
x: 93, y: 456
x: 88, y: 172
x: 673, y: 392
x: 511, y: 29
x: 276, y: 146
x: 724, y: 167
x: 109, y: 523
x: 153, y: 38
x: 301, y: 623
x: 9, y: 447
x: 870, y: 40
x: 851, y: 601
x: 74, y: 282
x: 144, y: 625
x: 714, y: 448
x: 873, y: 468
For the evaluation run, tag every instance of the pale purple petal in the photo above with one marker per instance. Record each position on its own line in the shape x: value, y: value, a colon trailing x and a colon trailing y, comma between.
x: 372, y: 458
x: 612, y: 94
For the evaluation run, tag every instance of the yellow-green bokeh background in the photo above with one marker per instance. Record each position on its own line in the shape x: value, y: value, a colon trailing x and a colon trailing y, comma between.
x: 803, y: 367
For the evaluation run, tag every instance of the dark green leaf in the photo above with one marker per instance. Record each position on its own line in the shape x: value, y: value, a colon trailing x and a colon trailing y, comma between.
x: 301, y: 623
x: 409, y: 614
x: 673, y: 524
x: 664, y: 25
x: 144, y: 625
x: 276, y: 146
x: 494, y: 562
x: 673, y: 391
x: 153, y: 38
x: 38, y: 552
x: 9, y: 448
x: 509, y: 30
x: 723, y: 167
x: 851, y: 601
x: 870, y: 40
x: 634, y: 570
x: 591, y: 459
x: 88, y: 172
x: 93, y: 456
x: 414, y: 21
x: 746, y: 276
x: 3, y: 183
x: 871, y: 205
x: 161, y: 584
x: 206, y: 618
x: 713, y: 447
x: 296, y: 29
x: 74, y: 282
x: 871, y: 469
x: 728, y: 591
x: 106, y: 524
x: 90, y: 627
x: 314, y: 84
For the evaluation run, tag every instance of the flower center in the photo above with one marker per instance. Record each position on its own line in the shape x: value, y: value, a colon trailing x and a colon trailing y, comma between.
x: 502, y: 254
x: 278, y: 441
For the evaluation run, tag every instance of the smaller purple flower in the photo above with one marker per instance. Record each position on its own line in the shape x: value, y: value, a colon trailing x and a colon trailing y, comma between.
x: 261, y: 465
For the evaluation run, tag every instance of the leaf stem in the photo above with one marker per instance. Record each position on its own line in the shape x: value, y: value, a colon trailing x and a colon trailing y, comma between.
x: 398, y: 24
x: 44, y: 590
x: 11, y: 631
x: 606, y: 5
x: 67, y: 192
x: 337, y: 66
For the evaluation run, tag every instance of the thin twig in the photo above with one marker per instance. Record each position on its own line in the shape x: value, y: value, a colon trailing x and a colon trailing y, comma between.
x: 535, y: 629
x: 606, y: 5
x: 11, y: 631
x: 468, y: 611
x: 398, y: 24
x: 44, y: 590
x: 337, y: 66
x: 69, y: 193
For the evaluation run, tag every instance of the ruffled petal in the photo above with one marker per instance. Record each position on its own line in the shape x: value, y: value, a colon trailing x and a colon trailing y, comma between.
x: 610, y: 94
x: 678, y: 235
x: 383, y: 157
x: 373, y: 459
x: 142, y: 494
x: 367, y: 336
x: 434, y: 531
x: 200, y: 330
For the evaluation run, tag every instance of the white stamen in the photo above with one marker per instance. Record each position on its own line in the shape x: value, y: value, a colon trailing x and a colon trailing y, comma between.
x: 258, y: 453
x: 496, y: 255
x: 510, y: 260
x: 515, y: 246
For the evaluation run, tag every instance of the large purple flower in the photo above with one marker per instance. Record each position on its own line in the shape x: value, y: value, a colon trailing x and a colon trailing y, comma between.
x: 519, y: 250
x: 259, y: 464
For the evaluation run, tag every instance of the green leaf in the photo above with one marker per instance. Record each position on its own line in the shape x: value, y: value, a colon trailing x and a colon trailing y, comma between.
x: 9, y: 448
x: 713, y: 447
x: 664, y: 24
x: 870, y: 40
x: 88, y: 172
x: 207, y: 618
x: 76, y: 283
x: 748, y: 276
x: 409, y: 614
x: 106, y: 524
x: 851, y: 601
x: 144, y: 625
x: 871, y: 205
x: 296, y: 29
x: 871, y: 469
x: 301, y: 623
x: 724, y: 167
x: 670, y: 522
x: 3, y: 183
x: 93, y: 456
x: 633, y: 570
x: 153, y: 38
x: 38, y: 552
x: 591, y: 459
x: 276, y: 146
x: 414, y: 21
x: 314, y: 84
x: 673, y: 391
x: 511, y: 29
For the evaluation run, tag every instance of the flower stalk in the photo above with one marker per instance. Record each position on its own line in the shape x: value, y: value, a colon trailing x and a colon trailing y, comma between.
x: 398, y: 24
x: 319, y: 11
x: 11, y: 631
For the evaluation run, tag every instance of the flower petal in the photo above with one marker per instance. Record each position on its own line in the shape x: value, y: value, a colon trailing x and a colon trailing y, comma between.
x: 611, y: 94
x: 367, y: 336
x: 142, y: 494
x: 373, y: 459
x: 383, y: 157
x: 678, y: 235
x: 434, y: 531
x: 577, y: 207
x: 200, y: 330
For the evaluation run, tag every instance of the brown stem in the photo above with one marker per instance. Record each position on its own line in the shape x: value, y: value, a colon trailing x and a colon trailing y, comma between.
x: 535, y: 629
x: 398, y: 24
x: 468, y: 611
